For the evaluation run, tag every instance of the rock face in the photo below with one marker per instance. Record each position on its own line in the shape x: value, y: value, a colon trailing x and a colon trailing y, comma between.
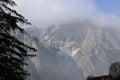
x: 76, y: 50
x: 48, y: 65
x: 51, y: 66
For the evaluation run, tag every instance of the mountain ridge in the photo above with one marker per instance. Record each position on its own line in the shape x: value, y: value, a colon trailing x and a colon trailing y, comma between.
x: 91, y: 47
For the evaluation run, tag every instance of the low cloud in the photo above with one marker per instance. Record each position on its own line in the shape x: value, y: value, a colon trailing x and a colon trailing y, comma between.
x: 46, y: 12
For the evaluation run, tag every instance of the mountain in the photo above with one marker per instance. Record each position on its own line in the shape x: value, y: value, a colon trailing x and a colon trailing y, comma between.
x: 51, y: 66
x: 76, y: 50
x: 48, y: 65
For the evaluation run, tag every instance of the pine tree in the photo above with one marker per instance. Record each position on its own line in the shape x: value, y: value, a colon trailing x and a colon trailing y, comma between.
x: 13, y: 52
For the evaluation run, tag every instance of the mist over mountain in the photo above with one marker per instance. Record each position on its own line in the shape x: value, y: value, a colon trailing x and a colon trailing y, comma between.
x: 76, y: 50
x: 43, y: 13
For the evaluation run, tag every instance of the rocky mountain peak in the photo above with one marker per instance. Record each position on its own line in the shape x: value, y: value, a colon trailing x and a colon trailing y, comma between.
x: 91, y: 47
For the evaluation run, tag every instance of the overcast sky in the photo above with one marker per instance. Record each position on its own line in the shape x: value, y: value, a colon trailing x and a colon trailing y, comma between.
x: 42, y: 13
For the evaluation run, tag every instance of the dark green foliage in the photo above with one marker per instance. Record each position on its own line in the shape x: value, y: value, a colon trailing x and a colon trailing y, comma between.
x: 13, y: 52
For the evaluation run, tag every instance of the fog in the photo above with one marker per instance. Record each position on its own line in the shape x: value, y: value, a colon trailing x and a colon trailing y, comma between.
x: 46, y: 12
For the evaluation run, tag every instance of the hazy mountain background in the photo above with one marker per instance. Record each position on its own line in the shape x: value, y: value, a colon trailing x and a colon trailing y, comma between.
x: 74, y: 50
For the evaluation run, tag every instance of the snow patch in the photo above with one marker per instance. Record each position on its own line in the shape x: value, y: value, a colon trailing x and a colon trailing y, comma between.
x: 74, y: 52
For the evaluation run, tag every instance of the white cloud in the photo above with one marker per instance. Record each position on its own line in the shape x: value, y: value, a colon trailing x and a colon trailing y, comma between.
x: 46, y: 12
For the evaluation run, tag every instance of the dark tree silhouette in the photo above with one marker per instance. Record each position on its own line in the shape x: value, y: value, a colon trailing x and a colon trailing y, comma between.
x: 114, y: 73
x: 90, y: 77
x: 13, y: 52
x: 114, y: 70
x: 104, y: 77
